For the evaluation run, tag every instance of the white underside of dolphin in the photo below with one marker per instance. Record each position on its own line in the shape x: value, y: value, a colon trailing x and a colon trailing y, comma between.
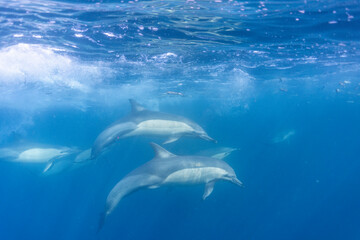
x: 169, y: 169
x: 40, y: 155
x: 52, y: 160
x: 143, y: 122
x: 160, y: 127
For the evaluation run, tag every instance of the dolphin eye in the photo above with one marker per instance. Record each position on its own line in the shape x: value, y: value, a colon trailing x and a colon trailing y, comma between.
x: 227, y: 175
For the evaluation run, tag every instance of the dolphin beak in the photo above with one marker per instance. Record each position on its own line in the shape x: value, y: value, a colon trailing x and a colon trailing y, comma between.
x: 207, y: 138
x: 237, y: 182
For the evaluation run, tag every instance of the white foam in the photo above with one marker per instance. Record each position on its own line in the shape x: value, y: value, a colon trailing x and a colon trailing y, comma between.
x: 235, y: 91
x: 37, y: 36
x: 34, y: 78
x: 35, y: 64
x: 109, y: 34
x: 165, y: 56
x: 44, y: 77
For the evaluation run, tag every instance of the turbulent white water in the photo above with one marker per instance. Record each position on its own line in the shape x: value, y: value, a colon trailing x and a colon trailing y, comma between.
x: 95, y: 55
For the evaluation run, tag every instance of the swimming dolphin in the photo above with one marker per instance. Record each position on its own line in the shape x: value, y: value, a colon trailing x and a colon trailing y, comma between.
x: 70, y: 162
x: 169, y: 169
x: 35, y: 155
x: 41, y: 155
x: 218, y: 152
x: 284, y: 136
x: 54, y: 159
x: 145, y: 122
x: 83, y: 156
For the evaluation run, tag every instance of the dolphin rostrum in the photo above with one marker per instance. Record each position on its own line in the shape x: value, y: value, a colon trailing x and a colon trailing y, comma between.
x: 169, y: 169
x: 145, y: 122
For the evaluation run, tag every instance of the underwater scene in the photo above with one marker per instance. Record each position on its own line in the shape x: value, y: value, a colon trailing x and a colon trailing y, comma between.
x: 190, y: 119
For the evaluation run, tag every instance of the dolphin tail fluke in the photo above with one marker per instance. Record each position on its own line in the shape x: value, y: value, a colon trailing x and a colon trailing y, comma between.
x: 209, y: 187
x: 171, y: 139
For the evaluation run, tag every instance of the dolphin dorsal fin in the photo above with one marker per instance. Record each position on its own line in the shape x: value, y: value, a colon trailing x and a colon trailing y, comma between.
x: 161, y: 152
x: 136, y: 107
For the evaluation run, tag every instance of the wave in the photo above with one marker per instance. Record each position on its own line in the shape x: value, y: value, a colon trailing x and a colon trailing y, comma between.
x: 26, y: 64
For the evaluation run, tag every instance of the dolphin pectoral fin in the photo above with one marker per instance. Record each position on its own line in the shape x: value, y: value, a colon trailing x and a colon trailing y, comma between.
x: 153, y: 187
x: 171, y: 139
x: 48, y: 166
x: 209, y: 187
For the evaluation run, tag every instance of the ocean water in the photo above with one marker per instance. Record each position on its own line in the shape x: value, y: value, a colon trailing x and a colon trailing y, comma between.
x: 279, y: 80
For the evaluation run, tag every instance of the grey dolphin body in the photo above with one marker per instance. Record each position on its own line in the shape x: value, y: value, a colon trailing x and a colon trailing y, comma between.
x: 219, y: 152
x: 54, y: 159
x: 169, y: 169
x: 75, y: 160
x: 35, y: 154
x: 145, y: 122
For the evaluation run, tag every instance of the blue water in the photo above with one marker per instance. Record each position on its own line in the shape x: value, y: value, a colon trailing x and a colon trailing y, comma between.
x: 280, y: 80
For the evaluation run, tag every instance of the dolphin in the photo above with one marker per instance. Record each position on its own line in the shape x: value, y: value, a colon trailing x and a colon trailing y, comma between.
x: 36, y: 155
x: 150, y: 123
x: 219, y: 152
x: 167, y: 169
x: 55, y: 159
x: 284, y: 136
x: 70, y: 162
x: 41, y: 155
x: 83, y: 156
